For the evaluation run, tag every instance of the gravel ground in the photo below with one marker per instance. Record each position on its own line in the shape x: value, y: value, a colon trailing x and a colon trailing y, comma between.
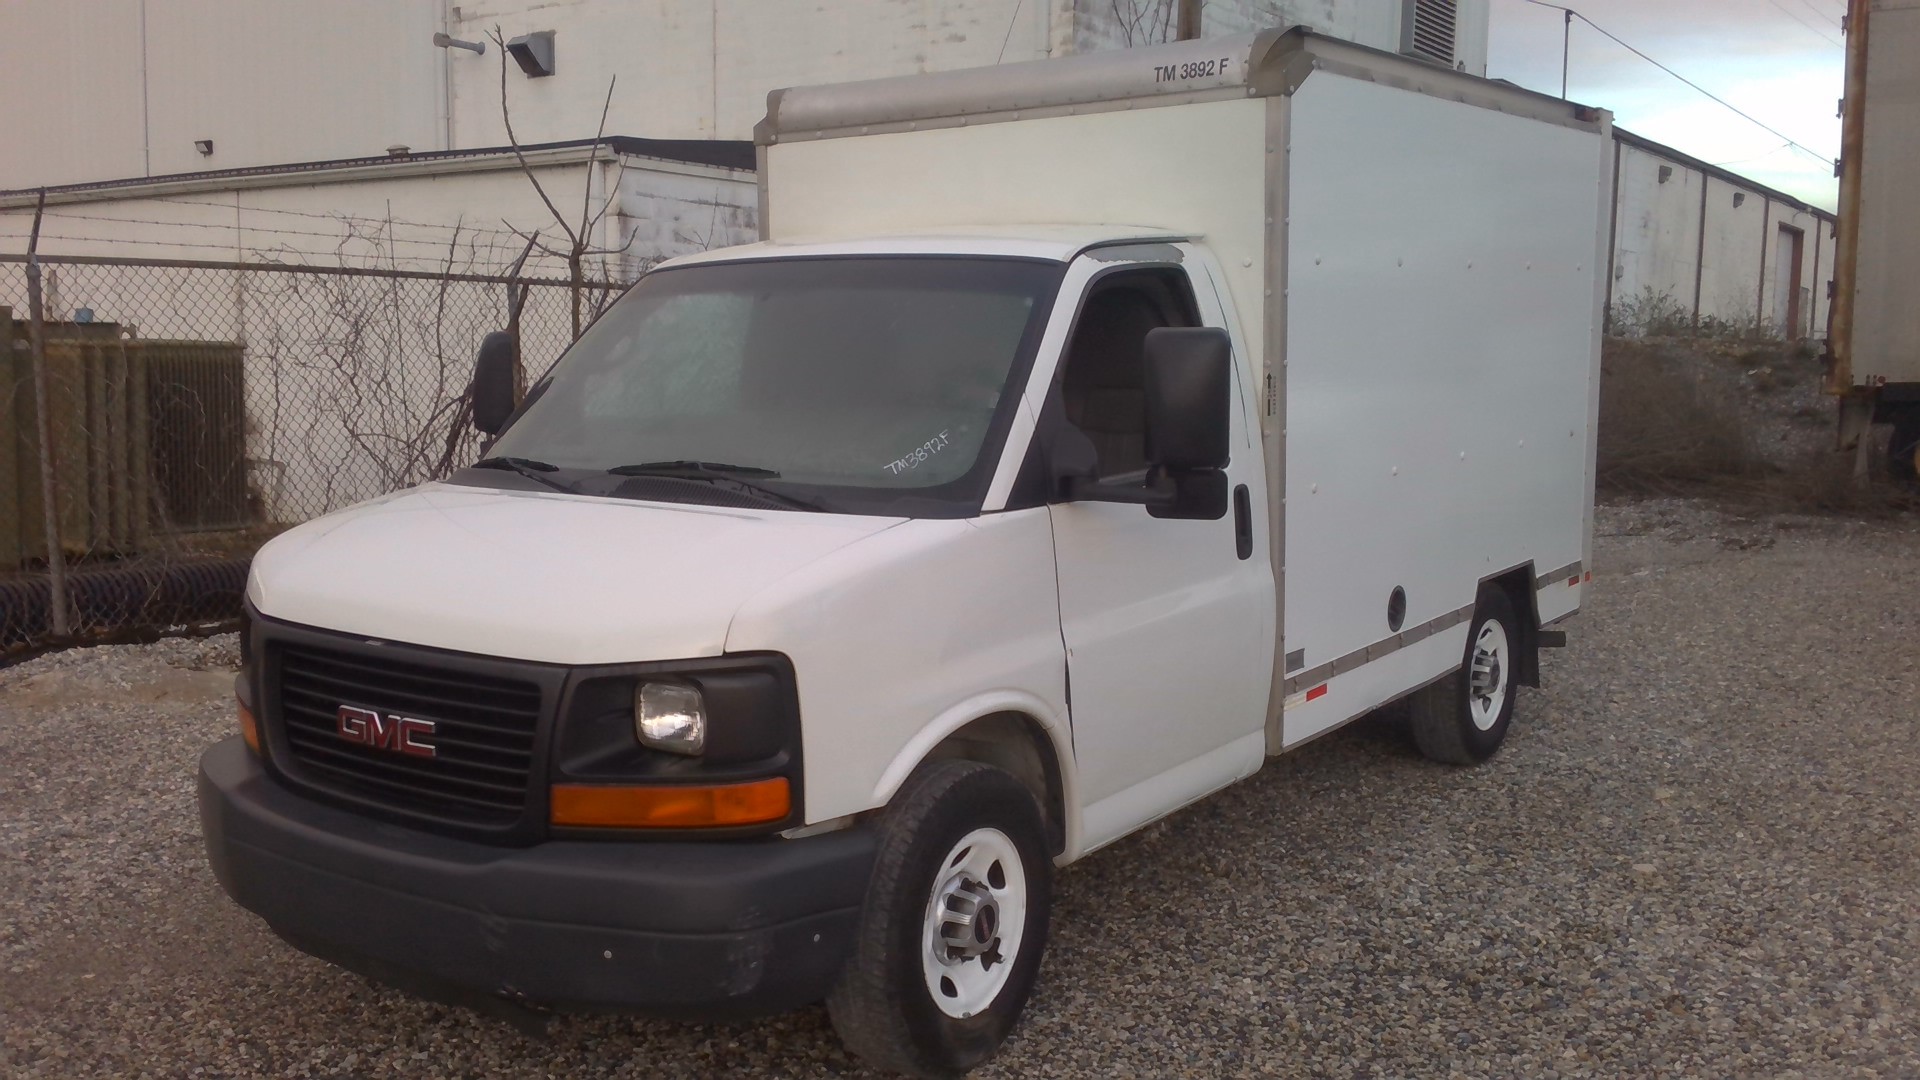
x: 1696, y: 856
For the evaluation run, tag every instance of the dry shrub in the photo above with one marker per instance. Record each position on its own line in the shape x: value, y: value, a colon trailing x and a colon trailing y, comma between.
x: 1665, y: 429
x: 1663, y: 432
x: 1824, y: 484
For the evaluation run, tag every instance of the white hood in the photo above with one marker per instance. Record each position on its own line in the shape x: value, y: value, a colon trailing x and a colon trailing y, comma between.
x: 536, y: 576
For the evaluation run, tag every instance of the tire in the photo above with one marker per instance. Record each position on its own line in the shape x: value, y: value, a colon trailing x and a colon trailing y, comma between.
x: 1903, y: 449
x: 1459, y: 720
x: 958, y: 834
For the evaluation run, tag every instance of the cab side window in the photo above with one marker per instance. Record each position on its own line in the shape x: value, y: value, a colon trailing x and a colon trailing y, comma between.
x: 1102, y: 385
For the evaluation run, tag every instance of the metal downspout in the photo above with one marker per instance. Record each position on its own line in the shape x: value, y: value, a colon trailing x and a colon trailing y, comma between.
x: 1700, y: 255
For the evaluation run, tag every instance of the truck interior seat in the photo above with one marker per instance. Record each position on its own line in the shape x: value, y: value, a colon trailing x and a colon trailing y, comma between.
x: 1103, y: 386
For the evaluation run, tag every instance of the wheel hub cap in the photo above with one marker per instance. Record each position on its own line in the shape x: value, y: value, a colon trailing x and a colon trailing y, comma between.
x: 1487, y: 676
x: 976, y: 915
x: 969, y: 922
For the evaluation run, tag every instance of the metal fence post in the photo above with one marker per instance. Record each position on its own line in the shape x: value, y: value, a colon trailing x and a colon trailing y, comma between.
x: 43, y: 421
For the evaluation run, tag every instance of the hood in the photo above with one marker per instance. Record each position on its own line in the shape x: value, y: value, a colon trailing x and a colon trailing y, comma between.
x: 539, y: 576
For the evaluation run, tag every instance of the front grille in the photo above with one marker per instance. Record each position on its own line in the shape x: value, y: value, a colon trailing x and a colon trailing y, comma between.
x: 484, y: 729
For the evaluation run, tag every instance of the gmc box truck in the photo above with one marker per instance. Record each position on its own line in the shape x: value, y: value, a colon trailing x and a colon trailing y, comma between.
x: 1082, y: 434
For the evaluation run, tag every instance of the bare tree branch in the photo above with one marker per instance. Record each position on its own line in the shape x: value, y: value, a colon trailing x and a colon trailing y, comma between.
x: 506, y: 118
x: 586, y: 192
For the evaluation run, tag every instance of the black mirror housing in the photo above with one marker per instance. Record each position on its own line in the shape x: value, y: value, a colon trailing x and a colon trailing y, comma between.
x: 493, y: 382
x: 1189, y: 394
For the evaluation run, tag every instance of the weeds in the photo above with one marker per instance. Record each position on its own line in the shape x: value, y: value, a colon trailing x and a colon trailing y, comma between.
x: 1661, y: 430
x: 1650, y: 314
x: 1667, y: 429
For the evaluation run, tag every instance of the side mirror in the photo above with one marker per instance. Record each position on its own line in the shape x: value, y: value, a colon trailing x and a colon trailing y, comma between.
x: 1189, y: 392
x: 493, y: 382
x: 1188, y: 387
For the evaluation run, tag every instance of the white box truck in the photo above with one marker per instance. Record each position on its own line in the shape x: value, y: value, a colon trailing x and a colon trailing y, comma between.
x: 1084, y: 433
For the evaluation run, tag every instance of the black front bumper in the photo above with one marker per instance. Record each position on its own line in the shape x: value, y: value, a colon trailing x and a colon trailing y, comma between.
x: 705, y: 929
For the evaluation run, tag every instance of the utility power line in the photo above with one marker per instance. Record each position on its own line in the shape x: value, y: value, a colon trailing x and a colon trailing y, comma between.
x: 1795, y: 16
x: 1823, y: 159
x: 1828, y: 16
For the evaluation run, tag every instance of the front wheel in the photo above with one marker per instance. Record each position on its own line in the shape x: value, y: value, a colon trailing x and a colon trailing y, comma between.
x: 1463, y: 718
x: 953, y: 926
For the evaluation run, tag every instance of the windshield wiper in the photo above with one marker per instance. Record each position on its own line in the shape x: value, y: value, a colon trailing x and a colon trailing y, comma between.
x: 527, y: 467
x: 684, y: 467
x: 739, y: 477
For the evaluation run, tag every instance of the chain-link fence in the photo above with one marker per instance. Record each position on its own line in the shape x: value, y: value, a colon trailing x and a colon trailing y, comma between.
x: 196, y: 408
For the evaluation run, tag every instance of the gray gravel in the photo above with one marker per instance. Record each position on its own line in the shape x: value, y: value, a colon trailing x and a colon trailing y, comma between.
x: 1696, y: 856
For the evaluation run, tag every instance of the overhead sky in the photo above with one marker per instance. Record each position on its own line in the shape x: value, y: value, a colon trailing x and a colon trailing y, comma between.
x: 1778, y: 60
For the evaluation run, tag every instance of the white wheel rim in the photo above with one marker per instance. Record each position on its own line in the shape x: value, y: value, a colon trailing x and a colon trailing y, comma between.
x: 975, y: 916
x: 1488, y: 673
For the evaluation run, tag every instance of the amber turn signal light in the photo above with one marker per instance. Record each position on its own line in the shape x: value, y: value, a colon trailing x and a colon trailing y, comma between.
x: 249, y: 727
x: 678, y: 806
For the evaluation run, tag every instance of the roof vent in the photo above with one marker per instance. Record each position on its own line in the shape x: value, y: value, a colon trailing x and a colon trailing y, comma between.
x: 1428, y: 29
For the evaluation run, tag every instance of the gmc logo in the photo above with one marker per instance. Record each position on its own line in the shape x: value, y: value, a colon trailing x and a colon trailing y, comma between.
x: 402, y: 734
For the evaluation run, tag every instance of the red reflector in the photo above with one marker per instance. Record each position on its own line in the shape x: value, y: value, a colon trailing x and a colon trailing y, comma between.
x: 1317, y: 692
x: 1574, y: 580
x: 1589, y: 576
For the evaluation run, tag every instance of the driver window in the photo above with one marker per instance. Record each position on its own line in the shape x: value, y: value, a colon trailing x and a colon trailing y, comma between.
x: 1102, y: 383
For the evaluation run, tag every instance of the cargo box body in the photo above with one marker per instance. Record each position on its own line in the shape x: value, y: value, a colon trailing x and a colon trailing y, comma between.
x: 1416, y: 261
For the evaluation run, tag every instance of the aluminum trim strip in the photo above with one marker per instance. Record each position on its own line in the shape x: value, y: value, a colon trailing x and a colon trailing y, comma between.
x: 1385, y: 647
x: 1555, y: 577
x: 1267, y: 63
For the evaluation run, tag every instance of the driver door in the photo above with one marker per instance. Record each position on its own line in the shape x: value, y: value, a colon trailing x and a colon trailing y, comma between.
x: 1168, y: 623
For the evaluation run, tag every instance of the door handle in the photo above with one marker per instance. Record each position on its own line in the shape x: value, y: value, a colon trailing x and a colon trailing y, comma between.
x: 1243, y: 522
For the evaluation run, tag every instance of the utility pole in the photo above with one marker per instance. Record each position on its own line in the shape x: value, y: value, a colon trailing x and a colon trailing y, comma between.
x: 1187, y: 26
x: 43, y: 420
x: 1566, y: 39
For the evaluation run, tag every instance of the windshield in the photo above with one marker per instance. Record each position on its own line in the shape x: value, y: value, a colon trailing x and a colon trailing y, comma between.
x: 864, y: 385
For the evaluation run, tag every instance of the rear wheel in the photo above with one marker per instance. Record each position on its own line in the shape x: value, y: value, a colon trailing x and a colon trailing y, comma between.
x: 1463, y: 718
x: 954, y: 924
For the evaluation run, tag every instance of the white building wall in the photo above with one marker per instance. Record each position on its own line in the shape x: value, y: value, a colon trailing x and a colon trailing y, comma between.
x: 120, y: 88
x: 1823, y: 281
x: 1656, y: 247
x: 1661, y: 259
x: 1776, y: 306
x: 68, y: 118
x: 1736, y: 239
x: 109, y: 89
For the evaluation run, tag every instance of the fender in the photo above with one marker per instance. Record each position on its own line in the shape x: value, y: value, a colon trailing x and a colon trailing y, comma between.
x: 966, y: 712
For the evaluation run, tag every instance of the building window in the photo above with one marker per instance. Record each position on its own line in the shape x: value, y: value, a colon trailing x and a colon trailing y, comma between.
x: 1428, y: 29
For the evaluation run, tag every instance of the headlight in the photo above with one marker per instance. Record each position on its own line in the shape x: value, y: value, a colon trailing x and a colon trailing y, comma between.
x: 670, y: 717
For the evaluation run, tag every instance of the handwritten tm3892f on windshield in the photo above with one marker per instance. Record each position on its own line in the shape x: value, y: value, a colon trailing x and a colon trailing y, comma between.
x: 1107, y: 436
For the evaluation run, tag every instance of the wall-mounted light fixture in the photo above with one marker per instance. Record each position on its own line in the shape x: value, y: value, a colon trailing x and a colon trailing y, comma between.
x: 1739, y: 197
x: 205, y: 146
x: 534, y: 53
x: 477, y: 48
x: 1666, y: 173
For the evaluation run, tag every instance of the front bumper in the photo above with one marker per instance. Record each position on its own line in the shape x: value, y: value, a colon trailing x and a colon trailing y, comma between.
x: 702, y: 929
